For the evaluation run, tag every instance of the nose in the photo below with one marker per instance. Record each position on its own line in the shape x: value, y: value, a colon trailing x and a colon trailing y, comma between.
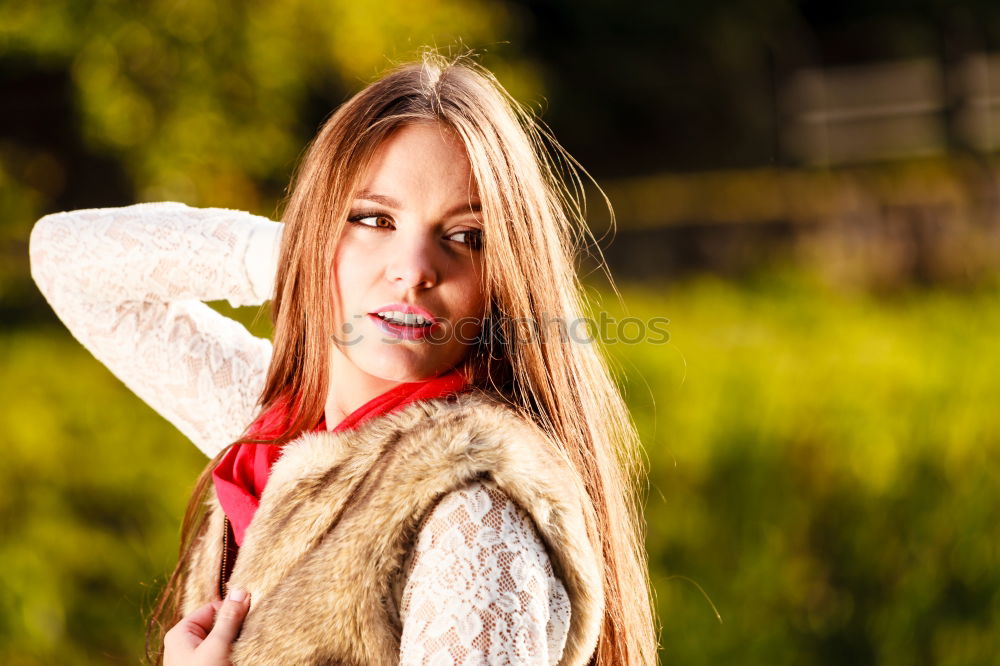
x: 411, y: 264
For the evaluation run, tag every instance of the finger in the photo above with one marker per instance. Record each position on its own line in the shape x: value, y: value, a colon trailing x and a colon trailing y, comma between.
x: 229, y: 618
x: 199, y: 621
x: 192, y: 629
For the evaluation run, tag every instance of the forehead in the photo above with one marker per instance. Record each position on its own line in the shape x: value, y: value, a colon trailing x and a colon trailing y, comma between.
x: 423, y: 159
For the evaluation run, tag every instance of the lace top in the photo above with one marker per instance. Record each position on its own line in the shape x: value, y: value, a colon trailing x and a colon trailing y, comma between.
x: 131, y: 284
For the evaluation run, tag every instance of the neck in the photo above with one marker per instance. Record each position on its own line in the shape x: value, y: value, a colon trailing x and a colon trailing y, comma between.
x: 349, y: 389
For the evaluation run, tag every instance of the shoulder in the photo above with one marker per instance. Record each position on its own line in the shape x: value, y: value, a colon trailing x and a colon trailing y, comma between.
x: 485, y: 435
x: 473, y: 410
x: 481, y: 526
x: 480, y: 514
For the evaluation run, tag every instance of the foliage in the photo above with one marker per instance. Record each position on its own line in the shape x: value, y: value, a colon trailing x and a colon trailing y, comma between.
x: 94, y: 487
x: 212, y: 102
x: 824, y: 470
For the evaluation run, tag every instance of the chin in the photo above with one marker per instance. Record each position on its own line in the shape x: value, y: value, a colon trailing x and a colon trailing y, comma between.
x: 399, y: 364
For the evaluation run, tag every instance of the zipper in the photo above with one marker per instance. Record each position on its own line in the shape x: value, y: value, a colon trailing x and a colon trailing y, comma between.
x: 226, y: 565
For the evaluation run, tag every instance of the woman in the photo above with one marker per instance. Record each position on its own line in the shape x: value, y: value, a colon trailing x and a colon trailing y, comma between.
x: 425, y: 466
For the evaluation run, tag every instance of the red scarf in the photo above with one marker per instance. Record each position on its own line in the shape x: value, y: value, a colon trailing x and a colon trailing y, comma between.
x: 242, y: 473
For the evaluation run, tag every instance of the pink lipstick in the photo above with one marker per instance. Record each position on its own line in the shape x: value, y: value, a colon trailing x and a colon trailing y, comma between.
x: 403, y: 321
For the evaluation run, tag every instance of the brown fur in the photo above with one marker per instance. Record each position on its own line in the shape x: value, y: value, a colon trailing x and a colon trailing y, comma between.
x: 325, y: 555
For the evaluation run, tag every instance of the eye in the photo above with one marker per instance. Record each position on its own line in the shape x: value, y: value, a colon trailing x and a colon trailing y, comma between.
x: 471, y: 237
x: 372, y: 219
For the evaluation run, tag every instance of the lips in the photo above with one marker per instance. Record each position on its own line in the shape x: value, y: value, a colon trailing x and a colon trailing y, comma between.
x: 404, y: 321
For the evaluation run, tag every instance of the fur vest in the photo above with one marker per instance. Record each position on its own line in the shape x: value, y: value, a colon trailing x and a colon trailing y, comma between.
x: 324, y: 556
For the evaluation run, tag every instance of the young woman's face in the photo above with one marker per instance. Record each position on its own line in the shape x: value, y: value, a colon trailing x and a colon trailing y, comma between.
x: 409, y: 299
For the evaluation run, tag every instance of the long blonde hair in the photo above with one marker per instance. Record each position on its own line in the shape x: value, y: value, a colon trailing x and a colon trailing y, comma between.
x: 533, y: 219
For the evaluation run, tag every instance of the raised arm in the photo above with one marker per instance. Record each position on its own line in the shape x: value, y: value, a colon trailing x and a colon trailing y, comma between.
x: 480, y: 588
x: 129, y: 284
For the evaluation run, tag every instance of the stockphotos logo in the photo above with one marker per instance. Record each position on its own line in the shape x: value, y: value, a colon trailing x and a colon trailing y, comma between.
x: 529, y: 330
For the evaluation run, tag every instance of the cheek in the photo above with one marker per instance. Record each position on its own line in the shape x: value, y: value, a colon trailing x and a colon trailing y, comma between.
x: 470, y: 314
x: 470, y: 300
x: 351, y: 271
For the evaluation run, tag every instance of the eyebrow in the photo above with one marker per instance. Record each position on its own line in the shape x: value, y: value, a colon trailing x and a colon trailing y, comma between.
x: 385, y: 200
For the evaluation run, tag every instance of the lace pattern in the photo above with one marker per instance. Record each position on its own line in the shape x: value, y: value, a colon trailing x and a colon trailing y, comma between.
x: 130, y: 284
x: 481, y: 587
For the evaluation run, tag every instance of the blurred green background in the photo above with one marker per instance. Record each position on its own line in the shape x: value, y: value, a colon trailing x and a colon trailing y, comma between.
x: 807, y: 190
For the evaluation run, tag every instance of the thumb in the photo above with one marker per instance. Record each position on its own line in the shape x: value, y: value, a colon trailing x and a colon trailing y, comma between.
x: 230, y: 616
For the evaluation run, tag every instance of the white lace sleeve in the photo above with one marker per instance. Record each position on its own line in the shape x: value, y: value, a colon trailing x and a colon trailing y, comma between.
x: 480, y: 587
x: 129, y: 284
